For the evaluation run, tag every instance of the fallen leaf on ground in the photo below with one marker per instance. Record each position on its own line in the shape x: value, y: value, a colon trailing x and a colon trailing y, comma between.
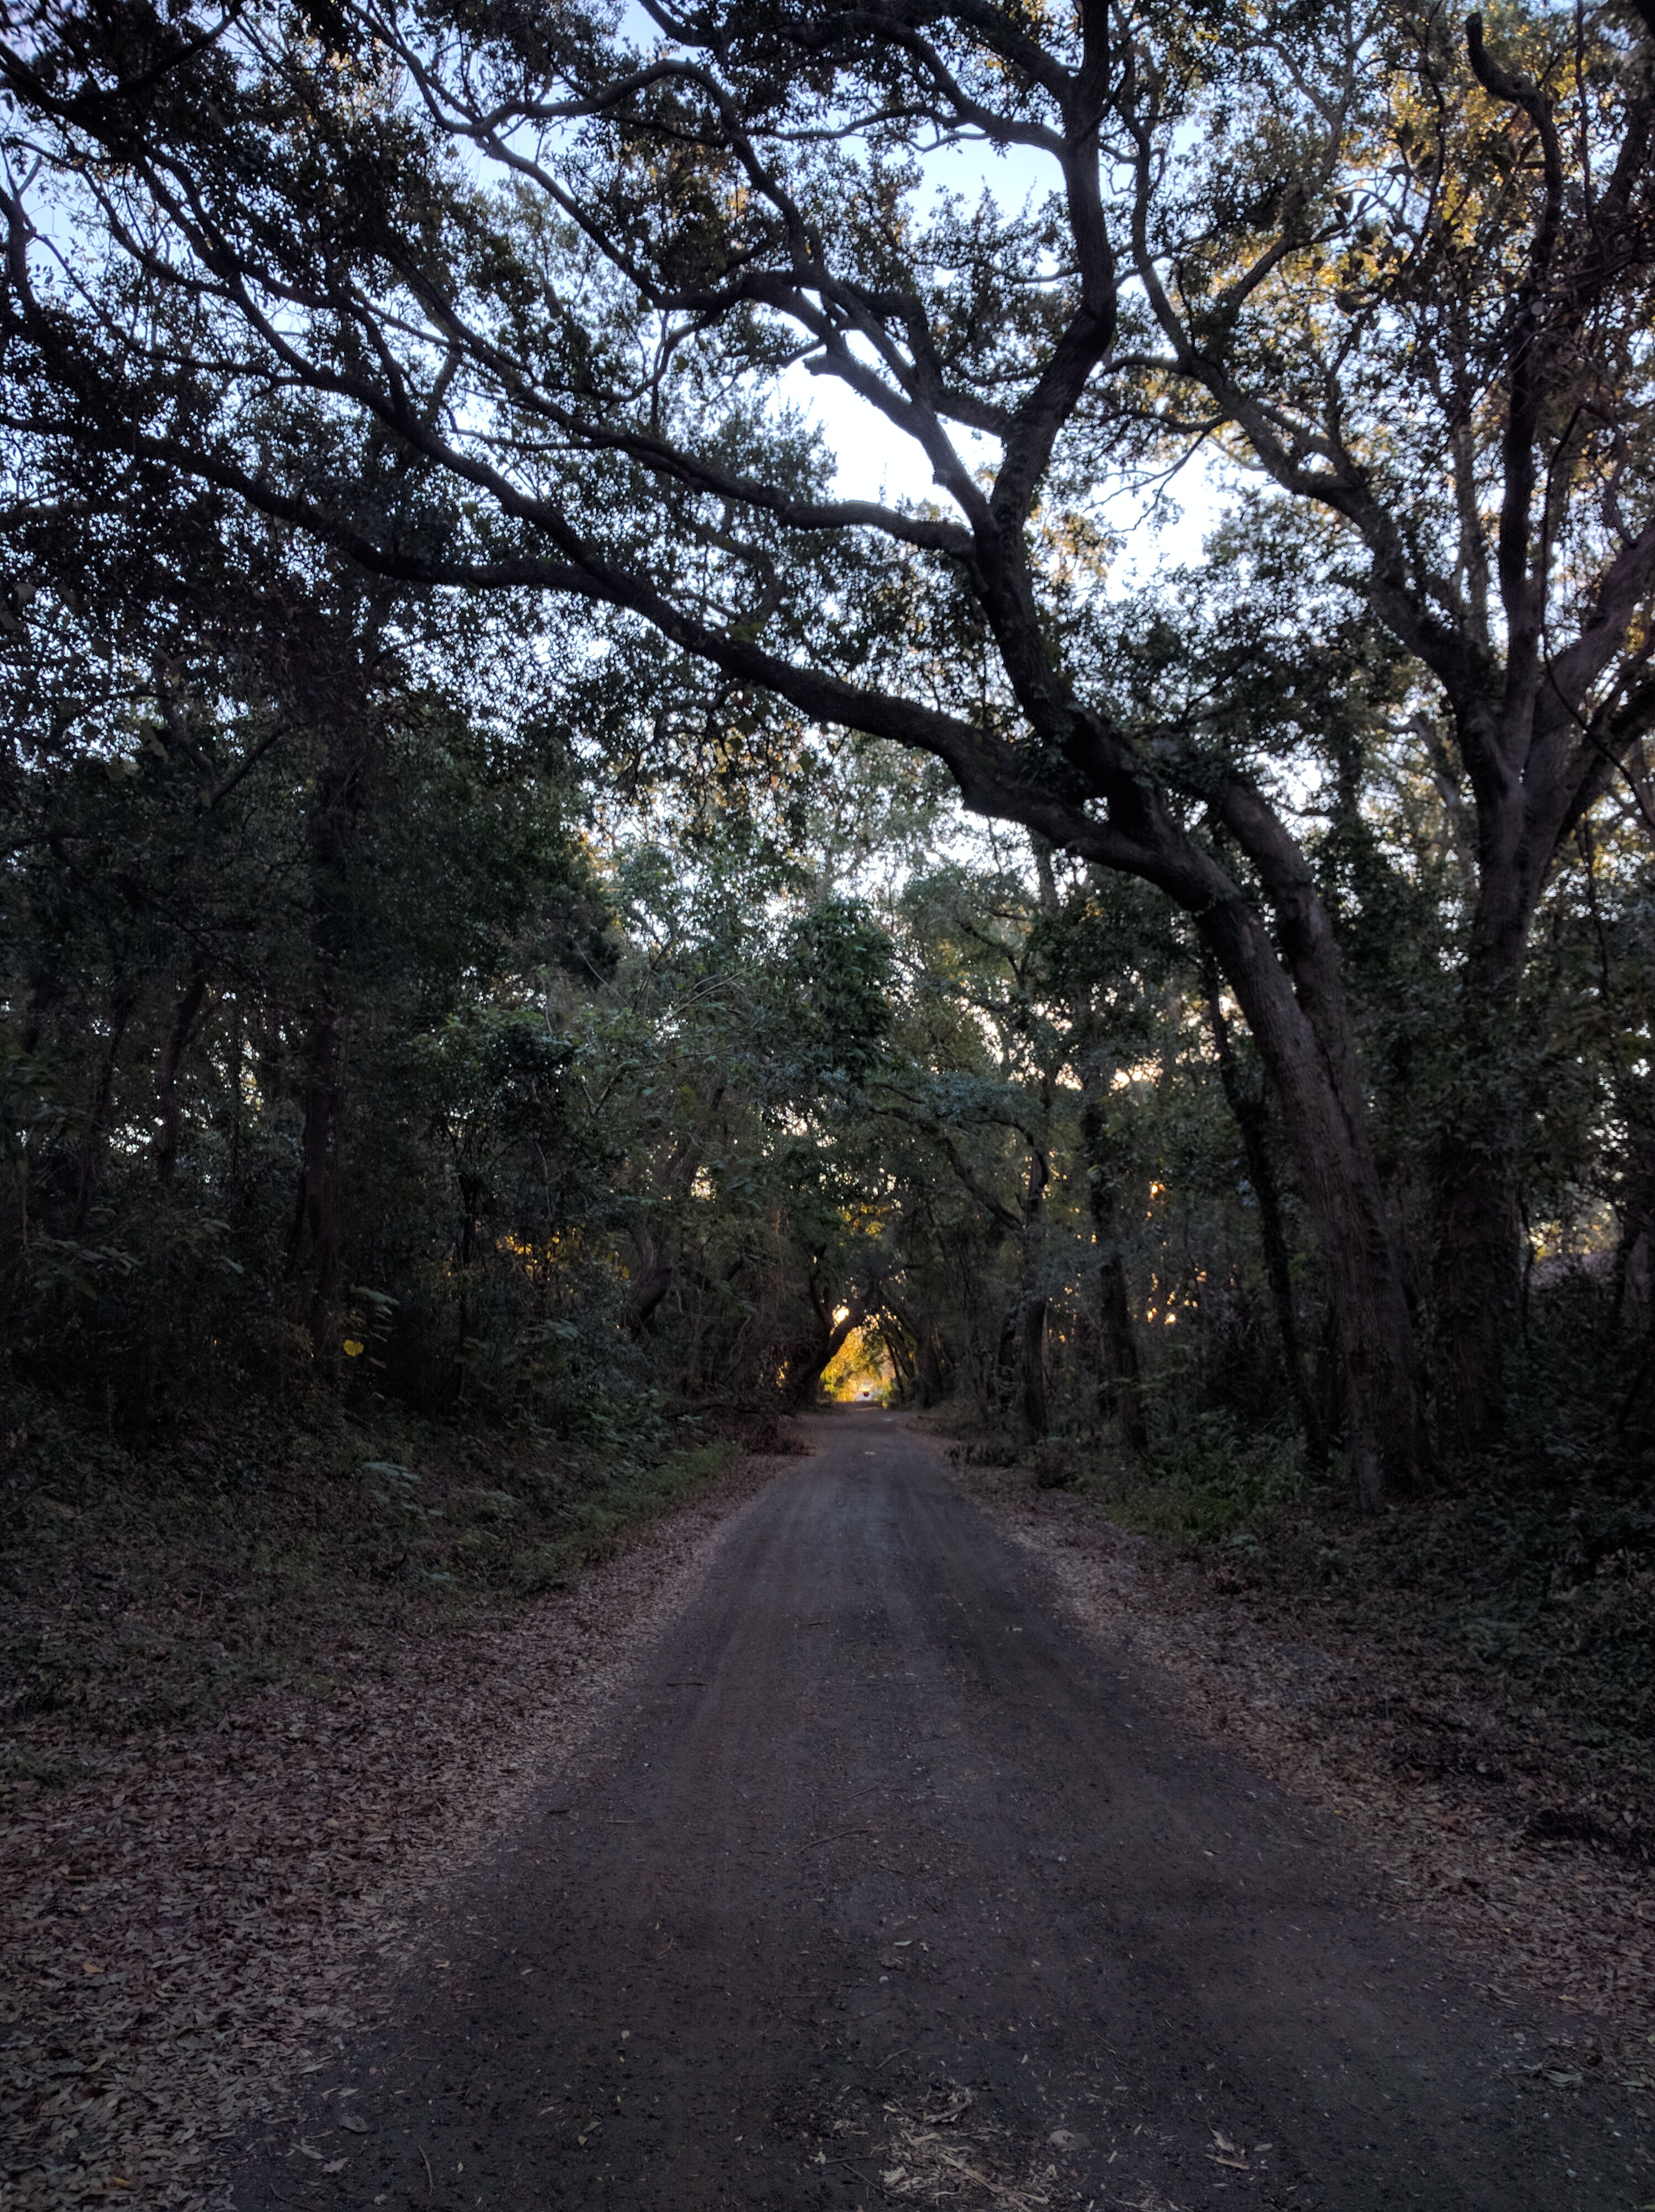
x: 1565, y: 1918
x: 253, y: 1883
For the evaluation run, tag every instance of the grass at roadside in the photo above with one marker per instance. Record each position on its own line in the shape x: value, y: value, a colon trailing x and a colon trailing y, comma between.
x: 1536, y: 1584
x: 145, y: 1591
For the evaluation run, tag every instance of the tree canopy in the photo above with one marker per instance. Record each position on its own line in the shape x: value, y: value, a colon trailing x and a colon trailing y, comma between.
x: 506, y: 868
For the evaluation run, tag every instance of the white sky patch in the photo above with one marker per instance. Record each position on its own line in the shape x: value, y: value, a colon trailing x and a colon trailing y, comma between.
x: 876, y: 460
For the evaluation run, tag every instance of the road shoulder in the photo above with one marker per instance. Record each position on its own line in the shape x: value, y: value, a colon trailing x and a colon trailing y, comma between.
x: 186, y: 1930
x: 1337, y: 1722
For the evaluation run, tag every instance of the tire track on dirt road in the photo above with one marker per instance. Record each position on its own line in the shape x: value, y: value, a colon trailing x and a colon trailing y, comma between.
x: 885, y: 1886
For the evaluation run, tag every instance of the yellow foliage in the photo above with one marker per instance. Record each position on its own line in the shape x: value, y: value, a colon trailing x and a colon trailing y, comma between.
x: 860, y: 1364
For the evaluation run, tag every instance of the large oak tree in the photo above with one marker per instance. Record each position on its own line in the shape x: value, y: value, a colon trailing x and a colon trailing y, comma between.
x: 1398, y: 266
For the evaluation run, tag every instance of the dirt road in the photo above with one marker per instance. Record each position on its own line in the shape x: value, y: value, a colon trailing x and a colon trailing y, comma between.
x: 886, y: 1888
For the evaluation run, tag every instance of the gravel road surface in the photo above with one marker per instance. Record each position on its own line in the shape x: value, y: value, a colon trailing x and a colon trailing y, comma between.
x: 885, y: 1887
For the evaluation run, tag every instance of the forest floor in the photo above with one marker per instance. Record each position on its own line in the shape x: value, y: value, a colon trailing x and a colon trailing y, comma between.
x: 251, y: 1728
x: 1493, y: 1816
x: 801, y: 1853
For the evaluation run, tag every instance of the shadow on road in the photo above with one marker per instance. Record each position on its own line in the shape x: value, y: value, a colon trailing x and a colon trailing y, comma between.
x: 887, y: 1888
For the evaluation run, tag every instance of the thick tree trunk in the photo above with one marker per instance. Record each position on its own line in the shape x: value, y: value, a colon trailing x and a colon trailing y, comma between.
x: 1479, y: 1276
x: 1289, y: 983
x: 170, y: 1118
x: 317, y: 1239
x: 1478, y: 1263
x: 933, y: 1367
x: 1120, y: 1397
x: 656, y: 1264
x: 1313, y: 1068
x: 807, y: 1363
x: 317, y: 1236
x: 1037, y: 1417
x: 97, y: 1120
x: 649, y: 1286
x: 930, y: 1357
x: 899, y: 1350
x: 1031, y: 1334
x: 1248, y: 1108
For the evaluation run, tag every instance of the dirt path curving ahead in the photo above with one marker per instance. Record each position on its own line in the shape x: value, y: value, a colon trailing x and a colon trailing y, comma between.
x: 884, y: 1887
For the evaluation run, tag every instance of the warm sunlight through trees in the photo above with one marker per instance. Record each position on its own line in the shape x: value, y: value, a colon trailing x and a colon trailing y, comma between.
x: 485, y: 780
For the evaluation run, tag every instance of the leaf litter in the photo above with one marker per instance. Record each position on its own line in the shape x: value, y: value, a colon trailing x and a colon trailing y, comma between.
x: 192, y: 1917
x: 1469, y: 1839
x: 946, y: 2154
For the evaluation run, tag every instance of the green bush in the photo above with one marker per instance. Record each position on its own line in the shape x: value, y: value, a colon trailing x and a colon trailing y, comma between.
x: 1215, y: 1482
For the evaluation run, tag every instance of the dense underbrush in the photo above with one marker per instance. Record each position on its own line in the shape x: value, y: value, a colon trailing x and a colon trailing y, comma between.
x: 1533, y: 1573
x: 1545, y: 1595
x: 143, y: 1588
